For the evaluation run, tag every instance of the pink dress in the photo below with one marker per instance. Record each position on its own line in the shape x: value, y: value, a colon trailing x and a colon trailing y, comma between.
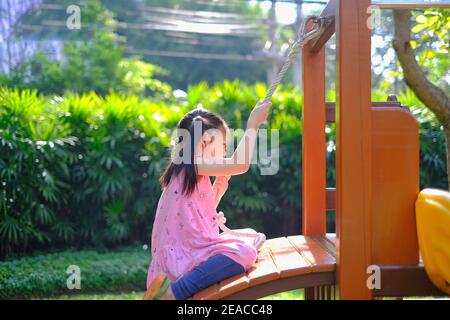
x: 186, y: 232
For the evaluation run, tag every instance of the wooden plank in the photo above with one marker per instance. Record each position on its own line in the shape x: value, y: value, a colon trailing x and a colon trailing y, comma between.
x: 264, y: 269
x: 331, y: 237
x: 353, y: 148
x: 395, y: 185
x: 314, y: 144
x: 325, y: 292
x: 232, y: 285
x: 408, y: 4
x: 310, y: 293
x: 285, y: 284
x: 328, y: 12
x: 330, y: 112
x: 331, y: 199
x: 288, y: 261
x: 320, y: 259
x: 210, y: 293
x: 293, y: 258
x: 330, y: 108
x: 327, y: 245
x: 405, y: 280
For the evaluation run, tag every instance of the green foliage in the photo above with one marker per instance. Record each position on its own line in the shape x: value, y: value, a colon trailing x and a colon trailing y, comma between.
x: 432, y: 44
x: 437, y: 22
x: 45, y: 275
x: 80, y: 169
x: 94, y: 62
x: 433, y: 164
x: 185, y: 71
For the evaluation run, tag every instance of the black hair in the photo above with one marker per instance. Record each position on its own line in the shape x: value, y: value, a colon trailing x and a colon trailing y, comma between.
x: 209, y: 120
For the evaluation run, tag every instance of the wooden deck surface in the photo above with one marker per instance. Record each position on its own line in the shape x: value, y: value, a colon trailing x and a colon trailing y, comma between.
x: 284, y: 263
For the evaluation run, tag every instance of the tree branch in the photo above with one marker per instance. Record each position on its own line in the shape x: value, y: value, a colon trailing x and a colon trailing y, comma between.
x: 432, y: 96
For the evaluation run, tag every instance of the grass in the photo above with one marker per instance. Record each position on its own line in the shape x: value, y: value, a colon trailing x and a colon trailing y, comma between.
x: 108, y: 296
x: 106, y: 275
x: 289, y: 295
x: 101, y: 271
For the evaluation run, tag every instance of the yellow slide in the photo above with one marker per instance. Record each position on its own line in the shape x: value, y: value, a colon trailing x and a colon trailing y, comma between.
x: 433, y: 229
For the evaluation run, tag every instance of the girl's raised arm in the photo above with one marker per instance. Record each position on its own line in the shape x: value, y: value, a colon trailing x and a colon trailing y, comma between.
x: 239, y: 162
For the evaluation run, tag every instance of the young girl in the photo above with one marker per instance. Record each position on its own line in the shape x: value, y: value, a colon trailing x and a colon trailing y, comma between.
x: 188, y: 253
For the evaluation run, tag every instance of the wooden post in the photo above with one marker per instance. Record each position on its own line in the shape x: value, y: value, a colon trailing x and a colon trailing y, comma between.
x: 314, y: 143
x: 353, y: 149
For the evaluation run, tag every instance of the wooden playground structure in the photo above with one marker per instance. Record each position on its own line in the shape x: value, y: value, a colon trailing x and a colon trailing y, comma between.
x: 382, y: 217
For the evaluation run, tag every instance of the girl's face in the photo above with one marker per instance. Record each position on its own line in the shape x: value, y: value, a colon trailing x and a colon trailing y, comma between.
x: 214, y: 142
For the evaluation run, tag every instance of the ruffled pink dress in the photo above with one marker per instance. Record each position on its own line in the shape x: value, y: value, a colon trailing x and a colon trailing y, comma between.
x: 186, y: 232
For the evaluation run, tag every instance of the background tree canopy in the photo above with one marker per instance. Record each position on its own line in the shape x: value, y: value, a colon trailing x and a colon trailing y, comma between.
x: 137, y: 30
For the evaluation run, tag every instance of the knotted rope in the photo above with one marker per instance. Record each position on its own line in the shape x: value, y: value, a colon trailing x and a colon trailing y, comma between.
x: 319, y: 24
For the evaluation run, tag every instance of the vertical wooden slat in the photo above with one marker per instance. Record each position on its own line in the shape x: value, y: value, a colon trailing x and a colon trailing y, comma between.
x: 313, y: 153
x: 309, y: 293
x: 353, y: 148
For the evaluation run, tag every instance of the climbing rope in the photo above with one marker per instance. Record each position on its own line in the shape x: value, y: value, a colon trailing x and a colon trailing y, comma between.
x: 319, y: 24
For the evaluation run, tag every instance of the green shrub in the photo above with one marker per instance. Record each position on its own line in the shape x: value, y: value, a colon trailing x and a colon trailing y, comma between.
x: 101, y: 272
x: 79, y: 170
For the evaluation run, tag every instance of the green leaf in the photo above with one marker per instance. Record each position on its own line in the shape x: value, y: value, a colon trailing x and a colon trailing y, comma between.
x: 421, y: 19
x: 419, y: 27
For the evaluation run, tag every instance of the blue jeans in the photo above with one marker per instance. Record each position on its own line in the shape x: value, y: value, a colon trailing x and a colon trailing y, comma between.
x: 211, y: 271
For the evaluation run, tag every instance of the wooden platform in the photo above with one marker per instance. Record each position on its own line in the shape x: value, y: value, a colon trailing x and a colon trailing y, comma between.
x: 283, y: 264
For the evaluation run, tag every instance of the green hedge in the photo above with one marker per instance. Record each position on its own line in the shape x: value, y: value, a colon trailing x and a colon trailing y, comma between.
x: 79, y: 170
x: 122, y: 270
x: 83, y: 170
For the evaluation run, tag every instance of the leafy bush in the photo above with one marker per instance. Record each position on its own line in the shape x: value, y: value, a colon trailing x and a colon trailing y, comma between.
x: 80, y: 169
x: 45, y: 275
x: 433, y: 164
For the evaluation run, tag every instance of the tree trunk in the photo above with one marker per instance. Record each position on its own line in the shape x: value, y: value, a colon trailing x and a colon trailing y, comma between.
x: 447, y: 149
x: 431, y: 96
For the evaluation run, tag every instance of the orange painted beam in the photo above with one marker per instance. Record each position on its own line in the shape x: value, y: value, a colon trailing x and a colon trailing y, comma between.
x: 314, y: 143
x: 353, y: 149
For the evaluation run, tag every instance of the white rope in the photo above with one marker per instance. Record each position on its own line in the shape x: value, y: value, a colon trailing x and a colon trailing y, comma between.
x: 295, y: 49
